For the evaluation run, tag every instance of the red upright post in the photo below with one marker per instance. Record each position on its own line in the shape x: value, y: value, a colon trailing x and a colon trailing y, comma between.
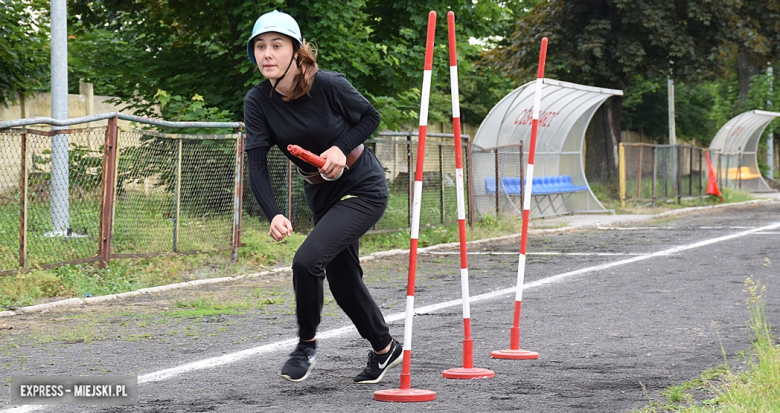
x: 406, y: 393
x: 468, y: 371
x: 514, y: 351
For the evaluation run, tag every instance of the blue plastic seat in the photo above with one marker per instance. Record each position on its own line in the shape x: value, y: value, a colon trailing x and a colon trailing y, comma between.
x: 511, y: 185
x: 490, y: 185
x: 538, y: 186
x: 574, y: 188
x: 542, y: 185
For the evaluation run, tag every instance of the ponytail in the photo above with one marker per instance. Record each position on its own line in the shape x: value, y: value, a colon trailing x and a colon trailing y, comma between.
x: 307, y: 68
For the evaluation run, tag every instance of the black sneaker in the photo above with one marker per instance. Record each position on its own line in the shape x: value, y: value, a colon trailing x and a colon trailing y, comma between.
x: 300, y: 363
x: 379, y: 364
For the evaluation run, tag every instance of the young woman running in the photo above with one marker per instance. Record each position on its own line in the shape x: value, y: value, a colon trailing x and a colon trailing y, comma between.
x: 322, y: 112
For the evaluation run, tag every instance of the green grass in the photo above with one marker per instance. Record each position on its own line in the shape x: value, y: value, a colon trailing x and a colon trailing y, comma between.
x: 729, y: 195
x: 488, y: 227
x: 143, y: 224
x: 663, y: 198
x: 212, y: 305
x: 397, y: 213
x: 151, y: 231
x: 687, y: 188
x: 258, y: 251
x: 756, y: 389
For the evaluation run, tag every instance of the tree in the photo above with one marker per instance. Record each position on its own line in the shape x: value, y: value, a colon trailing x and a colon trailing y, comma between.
x: 133, y: 49
x: 609, y: 43
x: 400, y: 27
x: 755, y: 33
x: 24, y: 49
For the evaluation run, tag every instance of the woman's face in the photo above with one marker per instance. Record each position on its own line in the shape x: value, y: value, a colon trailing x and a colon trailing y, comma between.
x: 273, y: 52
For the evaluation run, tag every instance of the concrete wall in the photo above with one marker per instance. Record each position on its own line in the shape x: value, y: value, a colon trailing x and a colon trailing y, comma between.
x: 39, y: 105
x: 83, y: 104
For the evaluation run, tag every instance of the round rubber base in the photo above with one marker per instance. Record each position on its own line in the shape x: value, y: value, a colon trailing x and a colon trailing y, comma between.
x: 464, y: 373
x: 404, y: 395
x: 514, y: 354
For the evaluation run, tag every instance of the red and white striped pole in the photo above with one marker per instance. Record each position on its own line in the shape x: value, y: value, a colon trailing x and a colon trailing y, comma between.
x: 468, y: 371
x: 514, y: 351
x: 406, y: 393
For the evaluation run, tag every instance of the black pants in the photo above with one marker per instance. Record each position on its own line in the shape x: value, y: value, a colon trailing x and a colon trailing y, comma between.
x: 332, y: 250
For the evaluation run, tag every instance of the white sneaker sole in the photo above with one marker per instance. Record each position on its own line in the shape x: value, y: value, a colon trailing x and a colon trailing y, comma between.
x: 392, y: 364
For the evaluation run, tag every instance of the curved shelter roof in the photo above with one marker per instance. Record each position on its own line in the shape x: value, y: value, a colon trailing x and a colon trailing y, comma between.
x: 565, y: 112
x: 735, y: 149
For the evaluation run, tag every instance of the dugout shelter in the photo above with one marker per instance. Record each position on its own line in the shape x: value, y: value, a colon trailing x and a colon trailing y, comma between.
x: 561, y: 187
x: 734, y: 151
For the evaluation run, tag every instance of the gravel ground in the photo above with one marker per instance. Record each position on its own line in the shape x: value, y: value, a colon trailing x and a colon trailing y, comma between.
x: 610, y: 338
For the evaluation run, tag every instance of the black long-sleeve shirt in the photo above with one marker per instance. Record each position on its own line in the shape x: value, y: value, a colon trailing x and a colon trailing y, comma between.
x: 332, y: 114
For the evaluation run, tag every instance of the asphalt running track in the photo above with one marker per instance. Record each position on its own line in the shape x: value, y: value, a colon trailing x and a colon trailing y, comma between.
x: 617, y: 314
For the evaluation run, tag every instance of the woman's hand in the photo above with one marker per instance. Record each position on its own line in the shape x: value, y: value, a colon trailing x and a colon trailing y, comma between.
x: 335, y: 161
x: 280, y: 227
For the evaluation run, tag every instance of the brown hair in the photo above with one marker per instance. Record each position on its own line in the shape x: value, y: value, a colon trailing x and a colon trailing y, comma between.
x: 307, y: 67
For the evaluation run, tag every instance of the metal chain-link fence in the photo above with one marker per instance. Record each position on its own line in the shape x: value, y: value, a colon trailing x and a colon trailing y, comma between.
x: 32, y: 213
x: 79, y: 195
x: 287, y: 187
x: 396, y: 152
x: 652, y: 173
x: 174, y: 192
x: 497, y: 182
x: 124, y: 193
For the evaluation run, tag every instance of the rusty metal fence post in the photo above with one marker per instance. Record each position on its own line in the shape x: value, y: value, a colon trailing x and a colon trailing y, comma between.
x: 177, y: 197
x: 701, y: 173
x: 690, y: 171
x: 678, y: 152
x: 23, y: 204
x: 739, y: 167
x: 441, y: 185
x: 639, y: 175
x: 238, y: 194
x: 498, y: 185
x: 107, y: 196
x: 655, y: 174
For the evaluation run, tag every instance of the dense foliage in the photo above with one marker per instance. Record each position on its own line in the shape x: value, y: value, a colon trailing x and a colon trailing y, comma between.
x: 24, y: 48
x: 712, y: 49
x: 133, y: 49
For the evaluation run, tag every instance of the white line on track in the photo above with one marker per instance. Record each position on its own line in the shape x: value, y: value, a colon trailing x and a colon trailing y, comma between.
x: 632, y: 228
x: 166, y: 374
x: 651, y: 228
x: 726, y: 227
x: 585, y: 254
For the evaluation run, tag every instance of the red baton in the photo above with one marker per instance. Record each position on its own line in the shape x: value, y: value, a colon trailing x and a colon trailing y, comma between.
x: 306, y: 156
